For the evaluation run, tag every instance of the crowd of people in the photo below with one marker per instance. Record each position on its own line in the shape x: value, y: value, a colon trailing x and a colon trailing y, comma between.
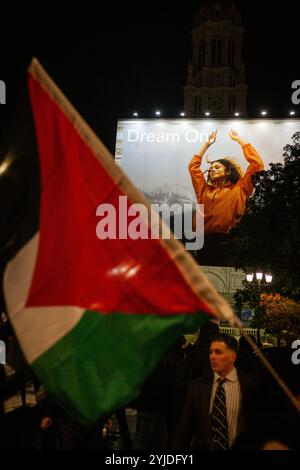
x: 210, y: 395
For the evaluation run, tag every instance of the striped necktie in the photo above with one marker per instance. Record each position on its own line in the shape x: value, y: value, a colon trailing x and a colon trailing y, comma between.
x: 219, y: 425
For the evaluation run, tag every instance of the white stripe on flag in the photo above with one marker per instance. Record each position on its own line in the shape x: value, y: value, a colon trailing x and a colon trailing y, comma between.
x: 18, y: 276
x: 39, y: 328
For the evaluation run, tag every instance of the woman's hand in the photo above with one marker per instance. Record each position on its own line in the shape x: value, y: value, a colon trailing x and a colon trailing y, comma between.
x: 212, y: 138
x: 235, y: 136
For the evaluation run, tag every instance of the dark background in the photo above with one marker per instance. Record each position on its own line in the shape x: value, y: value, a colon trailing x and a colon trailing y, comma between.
x: 112, y: 59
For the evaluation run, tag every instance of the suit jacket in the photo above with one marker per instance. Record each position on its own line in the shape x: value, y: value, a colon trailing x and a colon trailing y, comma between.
x: 193, y: 431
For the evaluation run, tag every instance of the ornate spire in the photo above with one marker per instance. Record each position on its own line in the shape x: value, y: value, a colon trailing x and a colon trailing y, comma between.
x: 216, y: 77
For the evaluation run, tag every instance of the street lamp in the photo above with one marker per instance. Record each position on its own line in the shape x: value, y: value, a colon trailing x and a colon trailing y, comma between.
x: 259, y: 279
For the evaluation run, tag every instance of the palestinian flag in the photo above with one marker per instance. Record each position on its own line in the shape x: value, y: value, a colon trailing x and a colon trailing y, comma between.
x: 92, y: 316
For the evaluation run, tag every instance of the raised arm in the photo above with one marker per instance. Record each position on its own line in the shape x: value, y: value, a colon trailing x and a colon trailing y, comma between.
x: 197, y: 176
x: 253, y: 158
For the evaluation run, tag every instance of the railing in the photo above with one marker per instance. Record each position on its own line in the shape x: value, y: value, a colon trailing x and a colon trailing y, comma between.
x: 236, y: 332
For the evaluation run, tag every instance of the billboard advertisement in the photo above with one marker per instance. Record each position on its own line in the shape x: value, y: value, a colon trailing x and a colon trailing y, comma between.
x: 209, y: 162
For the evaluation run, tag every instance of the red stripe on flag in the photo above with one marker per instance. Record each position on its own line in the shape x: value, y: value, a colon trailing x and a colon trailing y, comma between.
x: 73, y: 266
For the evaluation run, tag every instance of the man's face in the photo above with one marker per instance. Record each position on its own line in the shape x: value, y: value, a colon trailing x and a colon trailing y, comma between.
x: 217, y: 171
x: 222, y: 358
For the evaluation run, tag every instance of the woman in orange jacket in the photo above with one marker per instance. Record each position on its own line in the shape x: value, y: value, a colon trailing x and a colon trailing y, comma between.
x: 226, y: 191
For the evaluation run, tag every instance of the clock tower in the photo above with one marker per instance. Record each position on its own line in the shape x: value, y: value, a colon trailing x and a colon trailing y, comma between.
x: 216, y: 75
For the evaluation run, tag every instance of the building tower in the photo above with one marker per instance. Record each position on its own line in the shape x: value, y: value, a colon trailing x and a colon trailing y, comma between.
x: 216, y: 76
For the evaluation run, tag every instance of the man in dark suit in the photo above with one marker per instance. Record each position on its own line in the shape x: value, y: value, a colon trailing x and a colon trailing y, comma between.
x: 218, y: 406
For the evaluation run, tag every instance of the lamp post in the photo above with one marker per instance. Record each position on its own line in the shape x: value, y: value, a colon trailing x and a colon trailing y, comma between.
x: 259, y: 279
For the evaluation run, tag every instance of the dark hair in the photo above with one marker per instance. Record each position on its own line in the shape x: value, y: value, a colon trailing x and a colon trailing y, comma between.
x: 230, y: 341
x: 207, y: 331
x: 233, y: 175
x: 244, y: 345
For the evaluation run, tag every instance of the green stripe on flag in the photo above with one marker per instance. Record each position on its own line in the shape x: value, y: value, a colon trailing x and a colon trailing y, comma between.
x: 101, y: 363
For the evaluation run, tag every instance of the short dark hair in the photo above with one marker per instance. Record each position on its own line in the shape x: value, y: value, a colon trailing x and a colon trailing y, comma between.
x: 230, y: 341
x: 244, y: 346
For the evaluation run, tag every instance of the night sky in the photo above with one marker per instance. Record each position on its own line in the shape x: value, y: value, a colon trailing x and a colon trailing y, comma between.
x: 117, y: 58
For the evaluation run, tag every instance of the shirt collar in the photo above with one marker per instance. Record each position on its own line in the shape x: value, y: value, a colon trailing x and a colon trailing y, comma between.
x: 231, y: 377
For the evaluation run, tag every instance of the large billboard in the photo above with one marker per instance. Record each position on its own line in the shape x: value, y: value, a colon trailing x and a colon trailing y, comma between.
x: 155, y: 154
x: 205, y: 161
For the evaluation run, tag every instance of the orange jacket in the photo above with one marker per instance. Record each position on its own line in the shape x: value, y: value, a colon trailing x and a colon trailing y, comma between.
x: 224, y: 206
